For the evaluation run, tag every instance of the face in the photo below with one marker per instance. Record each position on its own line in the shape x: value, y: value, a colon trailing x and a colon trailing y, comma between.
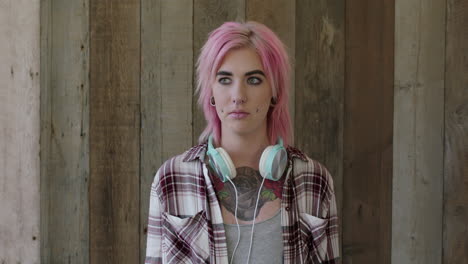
x: 242, y: 93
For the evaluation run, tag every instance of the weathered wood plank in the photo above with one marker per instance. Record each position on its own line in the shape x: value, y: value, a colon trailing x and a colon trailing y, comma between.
x: 455, y: 244
x: 418, y: 138
x: 176, y: 76
x: 64, y: 132
x: 208, y: 15
x: 368, y: 132
x: 320, y: 65
x: 114, y: 131
x: 19, y: 132
x: 279, y: 16
x: 151, y: 112
x: 166, y: 89
x: 45, y: 113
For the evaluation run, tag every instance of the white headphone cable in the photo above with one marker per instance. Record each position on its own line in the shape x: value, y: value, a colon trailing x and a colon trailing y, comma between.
x: 237, y: 222
x: 253, y: 224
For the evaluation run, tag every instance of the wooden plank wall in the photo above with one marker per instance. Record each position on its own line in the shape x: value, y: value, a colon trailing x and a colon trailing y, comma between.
x: 166, y: 91
x: 64, y: 131
x: 368, y: 132
x: 319, y: 72
x: 19, y: 132
x: 419, y: 128
x: 114, y: 140
x: 368, y: 87
x: 455, y: 231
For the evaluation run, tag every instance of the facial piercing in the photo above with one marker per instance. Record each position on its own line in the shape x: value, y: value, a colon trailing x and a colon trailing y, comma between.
x: 273, y: 102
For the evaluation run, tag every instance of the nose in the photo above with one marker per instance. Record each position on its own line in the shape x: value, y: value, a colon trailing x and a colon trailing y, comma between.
x: 239, y: 95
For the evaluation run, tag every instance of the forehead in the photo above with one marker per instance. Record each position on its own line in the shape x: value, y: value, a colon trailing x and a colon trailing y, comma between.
x: 241, y: 60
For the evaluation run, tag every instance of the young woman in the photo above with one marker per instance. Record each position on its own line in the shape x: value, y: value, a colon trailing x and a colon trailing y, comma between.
x: 244, y: 194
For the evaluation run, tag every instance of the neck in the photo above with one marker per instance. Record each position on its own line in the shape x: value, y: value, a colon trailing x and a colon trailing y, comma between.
x: 245, y: 150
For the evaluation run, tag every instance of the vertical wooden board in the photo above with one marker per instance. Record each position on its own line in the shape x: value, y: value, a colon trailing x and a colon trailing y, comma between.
x: 64, y: 138
x: 166, y: 89
x: 176, y: 58
x: 19, y: 132
x: 320, y: 65
x: 151, y: 109
x: 455, y: 244
x: 368, y: 132
x: 418, y: 131
x: 114, y: 131
x: 208, y: 15
x: 279, y: 16
x: 45, y: 120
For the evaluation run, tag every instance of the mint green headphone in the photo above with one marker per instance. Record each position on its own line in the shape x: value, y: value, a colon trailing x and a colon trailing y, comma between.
x: 272, y: 162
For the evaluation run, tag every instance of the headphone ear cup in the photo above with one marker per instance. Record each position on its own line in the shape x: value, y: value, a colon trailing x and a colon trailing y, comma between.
x: 220, y: 162
x: 273, y: 162
x: 226, y: 165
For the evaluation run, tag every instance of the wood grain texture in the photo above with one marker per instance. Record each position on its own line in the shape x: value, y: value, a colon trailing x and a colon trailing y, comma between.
x: 279, y: 16
x: 166, y: 89
x: 455, y: 244
x: 114, y: 131
x: 320, y: 65
x: 418, y: 132
x: 151, y: 111
x: 176, y: 60
x: 208, y: 15
x: 64, y: 132
x: 368, y: 132
x: 45, y: 112
x: 19, y: 132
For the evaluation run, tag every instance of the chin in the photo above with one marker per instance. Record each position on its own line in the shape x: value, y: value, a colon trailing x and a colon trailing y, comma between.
x: 243, y: 130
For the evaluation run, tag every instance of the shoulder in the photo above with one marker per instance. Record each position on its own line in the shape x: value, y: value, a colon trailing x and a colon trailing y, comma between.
x: 310, y: 171
x: 180, y: 185
x: 181, y: 167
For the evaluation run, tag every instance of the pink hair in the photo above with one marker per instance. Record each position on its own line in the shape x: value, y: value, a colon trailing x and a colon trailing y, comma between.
x: 275, y: 62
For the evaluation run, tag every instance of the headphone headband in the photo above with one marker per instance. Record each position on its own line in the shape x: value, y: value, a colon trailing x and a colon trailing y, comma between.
x: 272, y: 162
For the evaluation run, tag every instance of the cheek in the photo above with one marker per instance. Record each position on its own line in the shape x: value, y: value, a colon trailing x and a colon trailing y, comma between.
x: 262, y: 109
x: 220, y: 104
x: 219, y: 110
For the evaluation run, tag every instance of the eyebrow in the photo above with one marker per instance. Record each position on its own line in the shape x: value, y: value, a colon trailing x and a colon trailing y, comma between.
x: 246, y: 74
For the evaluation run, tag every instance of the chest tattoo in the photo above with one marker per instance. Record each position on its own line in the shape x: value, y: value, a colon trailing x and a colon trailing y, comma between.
x: 247, y: 183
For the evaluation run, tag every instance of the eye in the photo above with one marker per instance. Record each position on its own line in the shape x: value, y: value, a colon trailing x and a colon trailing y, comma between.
x: 224, y: 80
x: 254, y: 80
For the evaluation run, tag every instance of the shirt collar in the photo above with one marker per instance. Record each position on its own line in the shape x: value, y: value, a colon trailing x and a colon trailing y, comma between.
x: 199, y: 152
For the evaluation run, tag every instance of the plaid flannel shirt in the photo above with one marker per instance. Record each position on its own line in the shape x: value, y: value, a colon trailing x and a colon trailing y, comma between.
x: 185, y: 224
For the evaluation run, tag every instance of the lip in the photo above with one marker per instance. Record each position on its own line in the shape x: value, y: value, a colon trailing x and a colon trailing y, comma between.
x: 238, y: 114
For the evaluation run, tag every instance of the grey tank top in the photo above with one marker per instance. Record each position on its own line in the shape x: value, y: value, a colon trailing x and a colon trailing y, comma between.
x: 267, y: 241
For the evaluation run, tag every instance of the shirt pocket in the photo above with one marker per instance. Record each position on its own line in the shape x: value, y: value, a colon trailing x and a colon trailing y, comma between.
x: 185, y: 239
x: 314, y: 234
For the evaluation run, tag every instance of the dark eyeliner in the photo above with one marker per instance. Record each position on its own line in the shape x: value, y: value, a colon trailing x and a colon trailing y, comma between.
x: 259, y: 80
x: 222, y: 79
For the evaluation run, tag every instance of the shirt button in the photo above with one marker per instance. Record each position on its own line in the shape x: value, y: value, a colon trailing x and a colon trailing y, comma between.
x: 287, y: 208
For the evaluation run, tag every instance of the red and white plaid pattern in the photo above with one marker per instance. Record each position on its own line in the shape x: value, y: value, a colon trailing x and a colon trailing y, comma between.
x: 186, y: 226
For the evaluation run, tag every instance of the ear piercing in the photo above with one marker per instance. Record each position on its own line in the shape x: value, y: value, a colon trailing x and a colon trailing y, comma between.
x: 273, y: 101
